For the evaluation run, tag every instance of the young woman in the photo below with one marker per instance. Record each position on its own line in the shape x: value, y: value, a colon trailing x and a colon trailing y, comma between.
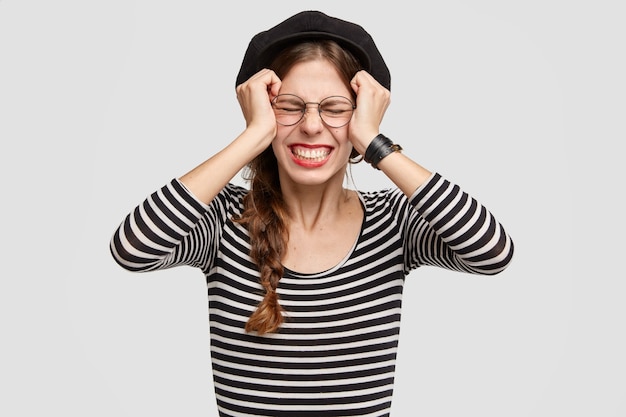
x: 304, y: 275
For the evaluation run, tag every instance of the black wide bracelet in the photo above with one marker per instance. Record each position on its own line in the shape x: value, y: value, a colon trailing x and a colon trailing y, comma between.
x: 380, y: 147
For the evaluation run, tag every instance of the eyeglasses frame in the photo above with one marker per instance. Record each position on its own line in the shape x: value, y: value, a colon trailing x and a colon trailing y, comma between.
x: 319, y: 109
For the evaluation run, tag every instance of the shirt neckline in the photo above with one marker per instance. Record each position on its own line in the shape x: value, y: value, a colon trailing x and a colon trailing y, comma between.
x: 342, y: 262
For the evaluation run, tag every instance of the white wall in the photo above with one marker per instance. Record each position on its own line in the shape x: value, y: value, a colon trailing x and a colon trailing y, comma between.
x: 519, y: 102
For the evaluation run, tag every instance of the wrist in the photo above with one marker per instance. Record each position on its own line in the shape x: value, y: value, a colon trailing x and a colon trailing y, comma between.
x: 379, y: 148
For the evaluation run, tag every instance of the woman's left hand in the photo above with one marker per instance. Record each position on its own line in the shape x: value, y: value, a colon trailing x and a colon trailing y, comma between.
x: 372, y: 100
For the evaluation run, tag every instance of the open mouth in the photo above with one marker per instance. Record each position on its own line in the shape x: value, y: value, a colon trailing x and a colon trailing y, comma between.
x: 317, y: 154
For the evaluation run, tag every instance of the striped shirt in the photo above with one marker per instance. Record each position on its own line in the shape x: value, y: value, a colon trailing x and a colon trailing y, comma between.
x: 335, y: 354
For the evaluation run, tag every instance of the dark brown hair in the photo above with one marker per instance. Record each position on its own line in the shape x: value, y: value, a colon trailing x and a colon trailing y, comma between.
x: 265, y: 214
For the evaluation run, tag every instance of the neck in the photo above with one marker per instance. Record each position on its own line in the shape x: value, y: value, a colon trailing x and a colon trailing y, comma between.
x: 313, y: 205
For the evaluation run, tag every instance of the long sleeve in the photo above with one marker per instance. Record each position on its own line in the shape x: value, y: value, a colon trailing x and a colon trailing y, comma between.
x: 454, y: 231
x: 171, y: 227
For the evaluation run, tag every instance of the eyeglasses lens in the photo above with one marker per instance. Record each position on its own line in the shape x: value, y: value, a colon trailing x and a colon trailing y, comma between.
x: 335, y: 111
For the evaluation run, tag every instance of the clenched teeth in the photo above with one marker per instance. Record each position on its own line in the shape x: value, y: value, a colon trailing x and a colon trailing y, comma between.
x: 317, y: 154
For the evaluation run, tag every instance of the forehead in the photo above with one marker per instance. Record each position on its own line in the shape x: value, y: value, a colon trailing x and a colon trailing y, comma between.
x: 314, y: 80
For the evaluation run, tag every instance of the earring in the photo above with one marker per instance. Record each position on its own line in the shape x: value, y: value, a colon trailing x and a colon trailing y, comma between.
x: 356, y: 159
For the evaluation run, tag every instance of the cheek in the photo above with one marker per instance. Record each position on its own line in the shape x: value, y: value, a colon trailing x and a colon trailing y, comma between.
x: 342, y: 139
x: 278, y: 140
x: 346, y: 152
x: 276, y: 147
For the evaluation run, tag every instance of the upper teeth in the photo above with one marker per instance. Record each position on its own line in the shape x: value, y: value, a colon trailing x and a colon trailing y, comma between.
x: 311, y: 153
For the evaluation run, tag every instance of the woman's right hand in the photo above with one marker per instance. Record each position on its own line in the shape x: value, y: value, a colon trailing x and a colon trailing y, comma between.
x: 255, y: 97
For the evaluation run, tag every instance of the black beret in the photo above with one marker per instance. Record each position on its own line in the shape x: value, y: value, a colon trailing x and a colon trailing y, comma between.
x: 310, y: 25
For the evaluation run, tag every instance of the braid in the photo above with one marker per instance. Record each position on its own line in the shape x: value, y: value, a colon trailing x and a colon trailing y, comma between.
x: 264, y: 216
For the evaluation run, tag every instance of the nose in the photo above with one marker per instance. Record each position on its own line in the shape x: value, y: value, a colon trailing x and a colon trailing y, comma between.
x: 310, y: 121
x: 311, y: 105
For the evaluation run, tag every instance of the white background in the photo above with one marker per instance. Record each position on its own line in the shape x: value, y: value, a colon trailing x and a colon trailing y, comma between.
x: 522, y: 103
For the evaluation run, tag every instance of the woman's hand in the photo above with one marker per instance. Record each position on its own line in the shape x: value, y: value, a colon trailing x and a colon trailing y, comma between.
x: 206, y: 180
x: 372, y: 100
x: 254, y: 97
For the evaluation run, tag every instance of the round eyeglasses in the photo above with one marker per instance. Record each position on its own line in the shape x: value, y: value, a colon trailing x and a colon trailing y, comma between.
x: 335, y: 111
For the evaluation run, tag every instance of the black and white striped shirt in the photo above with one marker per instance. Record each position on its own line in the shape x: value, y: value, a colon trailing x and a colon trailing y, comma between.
x: 335, y: 354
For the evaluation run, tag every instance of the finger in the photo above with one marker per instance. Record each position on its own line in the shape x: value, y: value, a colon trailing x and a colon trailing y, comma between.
x: 357, y: 81
x: 354, y: 84
x: 274, y: 84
